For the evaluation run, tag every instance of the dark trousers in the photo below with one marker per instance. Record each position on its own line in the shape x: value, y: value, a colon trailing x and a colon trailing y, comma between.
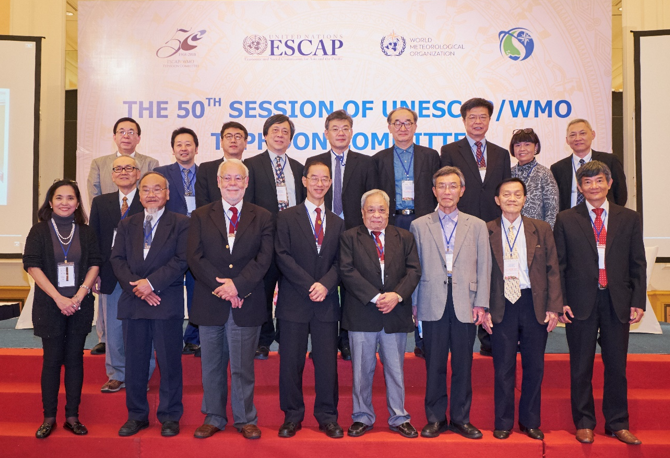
x: 343, y: 338
x: 518, y: 324
x: 268, y: 332
x: 166, y: 336
x: 65, y: 350
x: 484, y: 339
x: 582, y: 335
x: 440, y: 337
x: 292, y: 365
x: 191, y: 335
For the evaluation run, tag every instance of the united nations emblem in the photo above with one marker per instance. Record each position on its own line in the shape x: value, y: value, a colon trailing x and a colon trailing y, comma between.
x: 393, y: 45
x: 255, y: 44
x: 516, y: 44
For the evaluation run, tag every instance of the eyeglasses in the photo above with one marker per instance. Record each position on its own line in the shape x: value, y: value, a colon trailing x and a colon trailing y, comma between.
x: 523, y: 131
x: 316, y: 180
x: 237, y: 179
x: 337, y: 130
x: 450, y: 186
x: 277, y: 130
x: 399, y: 125
x: 237, y: 137
x: 123, y: 133
x: 155, y: 191
x: 127, y: 169
x: 482, y: 118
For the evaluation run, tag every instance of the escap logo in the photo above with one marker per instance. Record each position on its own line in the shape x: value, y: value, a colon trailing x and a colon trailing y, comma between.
x: 516, y: 44
x: 174, y: 44
x: 393, y: 45
x: 255, y: 44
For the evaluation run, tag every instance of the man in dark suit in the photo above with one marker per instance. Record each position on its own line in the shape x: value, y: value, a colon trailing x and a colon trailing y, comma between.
x: 484, y: 166
x: 379, y: 266
x: 182, y: 178
x: 149, y: 260
x: 106, y: 212
x: 233, y: 143
x: 230, y: 246
x: 603, y: 277
x: 307, y: 246
x: 353, y: 175
x: 579, y: 137
x: 274, y: 184
x: 525, y: 302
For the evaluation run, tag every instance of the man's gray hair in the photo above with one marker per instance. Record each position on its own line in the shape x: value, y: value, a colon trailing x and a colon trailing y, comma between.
x: 232, y: 161
x: 127, y: 157
x: 577, y: 121
x: 373, y: 192
x: 167, y: 183
x: 448, y: 170
x: 592, y: 169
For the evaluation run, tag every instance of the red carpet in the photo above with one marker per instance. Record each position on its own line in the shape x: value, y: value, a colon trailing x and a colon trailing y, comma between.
x: 20, y: 404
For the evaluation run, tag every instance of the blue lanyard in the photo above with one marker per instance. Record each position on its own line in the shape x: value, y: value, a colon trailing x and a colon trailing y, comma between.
x: 146, y: 236
x: 473, y: 148
x: 402, y: 164
x: 316, y: 234
x: 511, y: 247
x: 379, y: 246
x: 444, y: 233
x: 65, y: 252
x: 274, y: 166
x: 231, y: 221
x: 339, y: 158
x: 573, y: 165
x: 188, y: 185
x: 598, y: 232
x: 125, y: 213
x: 517, y: 173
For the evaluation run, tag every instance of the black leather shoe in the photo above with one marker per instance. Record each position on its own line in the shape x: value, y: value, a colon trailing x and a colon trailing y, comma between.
x: 357, y: 429
x: 132, y: 427
x: 418, y: 352
x: 501, y: 433
x: 406, y: 430
x: 76, y: 428
x: 189, y: 349
x: 99, y: 349
x: 170, y: 428
x: 435, y: 429
x: 466, y: 430
x: 262, y: 352
x: 332, y: 430
x: 288, y: 429
x: 44, y: 430
x: 346, y: 353
x: 533, y: 433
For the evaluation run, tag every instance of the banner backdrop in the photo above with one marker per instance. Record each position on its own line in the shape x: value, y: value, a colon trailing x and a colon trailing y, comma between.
x: 201, y: 63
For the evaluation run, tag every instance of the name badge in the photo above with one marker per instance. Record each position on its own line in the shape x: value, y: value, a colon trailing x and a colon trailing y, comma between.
x: 190, y: 204
x: 408, y: 190
x: 511, y: 267
x: 450, y: 262
x: 65, y: 274
x: 282, y: 194
x: 482, y: 173
x: 601, y: 256
x: 114, y: 238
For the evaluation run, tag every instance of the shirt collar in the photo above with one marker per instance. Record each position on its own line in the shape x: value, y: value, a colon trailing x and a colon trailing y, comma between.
x: 131, y: 155
x: 605, y: 207
x: 182, y: 168
x: 517, y: 223
x: 410, y: 149
x: 311, y: 207
x: 130, y: 195
x: 274, y: 156
x: 383, y: 231
x: 587, y: 158
x: 226, y: 206
x: 343, y: 155
x: 472, y: 141
x: 453, y: 216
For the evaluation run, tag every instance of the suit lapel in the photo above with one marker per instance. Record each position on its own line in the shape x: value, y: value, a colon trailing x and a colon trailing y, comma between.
x: 247, y: 215
x: 466, y: 152
x: 491, y: 161
x: 330, y: 222
x: 391, y: 245
x: 162, y: 231
x: 388, y: 160
x: 531, y: 240
x: 436, y: 231
x: 613, y: 224
x: 329, y: 195
x: 269, y: 170
x: 297, y: 178
x: 306, y: 226
x: 495, y: 236
x: 461, y: 232
x: 418, y: 164
x: 348, y: 170
x: 136, y: 233
x: 175, y: 171
x: 584, y: 222
x: 368, y: 242
x: 219, y: 219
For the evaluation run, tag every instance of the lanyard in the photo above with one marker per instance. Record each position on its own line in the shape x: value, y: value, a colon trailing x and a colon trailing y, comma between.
x: 231, y: 221
x: 316, y: 234
x: 283, y: 167
x: 339, y: 158
x: 473, y: 148
x: 444, y: 233
x: 152, y: 229
x: 517, y: 173
x: 598, y: 232
x: 402, y: 164
x: 188, y: 184
x: 378, y: 245
x: 511, y: 247
x: 125, y: 213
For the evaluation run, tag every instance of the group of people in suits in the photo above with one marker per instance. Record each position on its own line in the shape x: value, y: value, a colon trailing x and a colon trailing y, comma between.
x: 360, y: 251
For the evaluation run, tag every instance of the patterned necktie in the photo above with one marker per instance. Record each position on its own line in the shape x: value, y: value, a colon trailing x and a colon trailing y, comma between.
x: 601, y: 238
x: 380, y: 247
x: 280, y: 180
x: 232, y: 227
x: 481, y: 162
x: 187, y: 182
x: 147, y: 232
x: 318, y: 227
x: 580, y: 196
x: 337, y: 187
x: 124, y: 206
x: 512, y: 286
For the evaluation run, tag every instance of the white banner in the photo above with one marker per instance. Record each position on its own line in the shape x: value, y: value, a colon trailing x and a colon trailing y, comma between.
x: 200, y: 64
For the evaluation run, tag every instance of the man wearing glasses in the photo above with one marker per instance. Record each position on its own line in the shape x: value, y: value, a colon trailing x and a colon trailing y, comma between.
x: 484, y: 166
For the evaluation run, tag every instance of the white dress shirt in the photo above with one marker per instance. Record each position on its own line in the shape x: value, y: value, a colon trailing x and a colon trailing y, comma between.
x: 575, y: 167
x: 524, y: 278
x: 311, y: 213
x: 288, y: 175
x: 228, y: 215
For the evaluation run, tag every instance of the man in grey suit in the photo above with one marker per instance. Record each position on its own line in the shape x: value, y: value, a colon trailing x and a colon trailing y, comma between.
x: 450, y: 301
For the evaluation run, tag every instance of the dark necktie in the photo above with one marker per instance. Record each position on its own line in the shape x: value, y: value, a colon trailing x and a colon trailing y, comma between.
x: 232, y: 227
x: 580, y: 196
x: 187, y: 182
x: 601, y: 238
x: 147, y: 232
x: 280, y: 180
x: 318, y: 227
x: 337, y: 186
x: 481, y: 162
x: 378, y: 242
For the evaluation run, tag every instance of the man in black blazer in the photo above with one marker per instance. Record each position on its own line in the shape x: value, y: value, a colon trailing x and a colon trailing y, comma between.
x: 379, y: 266
x: 149, y: 260
x: 233, y: 143
x: 307, y: 246
x: 230, y: 246
x: 603, y: 277
x: 182, y: 178
x: 579, y: 137
x: 484, y: 166
x: 107, y: 210
x: 274, y: 184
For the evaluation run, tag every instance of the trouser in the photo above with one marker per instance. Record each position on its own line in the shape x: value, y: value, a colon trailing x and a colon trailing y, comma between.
x: 191, y: 335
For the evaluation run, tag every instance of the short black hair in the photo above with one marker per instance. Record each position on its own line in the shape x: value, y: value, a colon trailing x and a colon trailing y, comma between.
x: 341, y: 115
x: 522, y: 136
x: 234, y: 125
x: 45, y: 211
x: 278, y: 119
x: 184, y: 130
x: 511, y: 180
x: 310, y: 164
x: 474, y: 103
x: 116, y: 124
x: 592, y: 169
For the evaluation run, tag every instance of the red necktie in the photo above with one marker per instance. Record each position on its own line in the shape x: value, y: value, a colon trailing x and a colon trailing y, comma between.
x: 378, y: 242
x: 481, y: 162
x: 318, y: 227
x: 232, y: 227
x: 599, y: 228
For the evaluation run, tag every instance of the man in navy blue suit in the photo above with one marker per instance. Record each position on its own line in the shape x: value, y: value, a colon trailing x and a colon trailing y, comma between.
x: 182, y: 178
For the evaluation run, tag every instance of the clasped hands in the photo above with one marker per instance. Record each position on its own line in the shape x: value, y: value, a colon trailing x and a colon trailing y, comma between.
x: 228, y: 292
x: 386, y: 302
x: 68, y: 306
x: 143, y: 290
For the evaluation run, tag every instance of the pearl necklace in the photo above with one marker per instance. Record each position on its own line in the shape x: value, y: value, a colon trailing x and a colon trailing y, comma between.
x: 64, y: 240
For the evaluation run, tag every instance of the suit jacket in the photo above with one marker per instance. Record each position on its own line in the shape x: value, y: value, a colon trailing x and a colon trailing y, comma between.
x: 164, y: 266
x: 100, y: 175
x: 301, y: 266
x: 177, y: 201
x: 563, y: 173
x: 360, y: 176
x: 206, y: 186
x: 545, y: 279
x: 479, y: 197
x: 625, y: 260
x: 105, y: 217
x: 471, y: 267
x: 209, y: 257
x: 426, y: 162
x: 262, y: 190
x: 362, y: 278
